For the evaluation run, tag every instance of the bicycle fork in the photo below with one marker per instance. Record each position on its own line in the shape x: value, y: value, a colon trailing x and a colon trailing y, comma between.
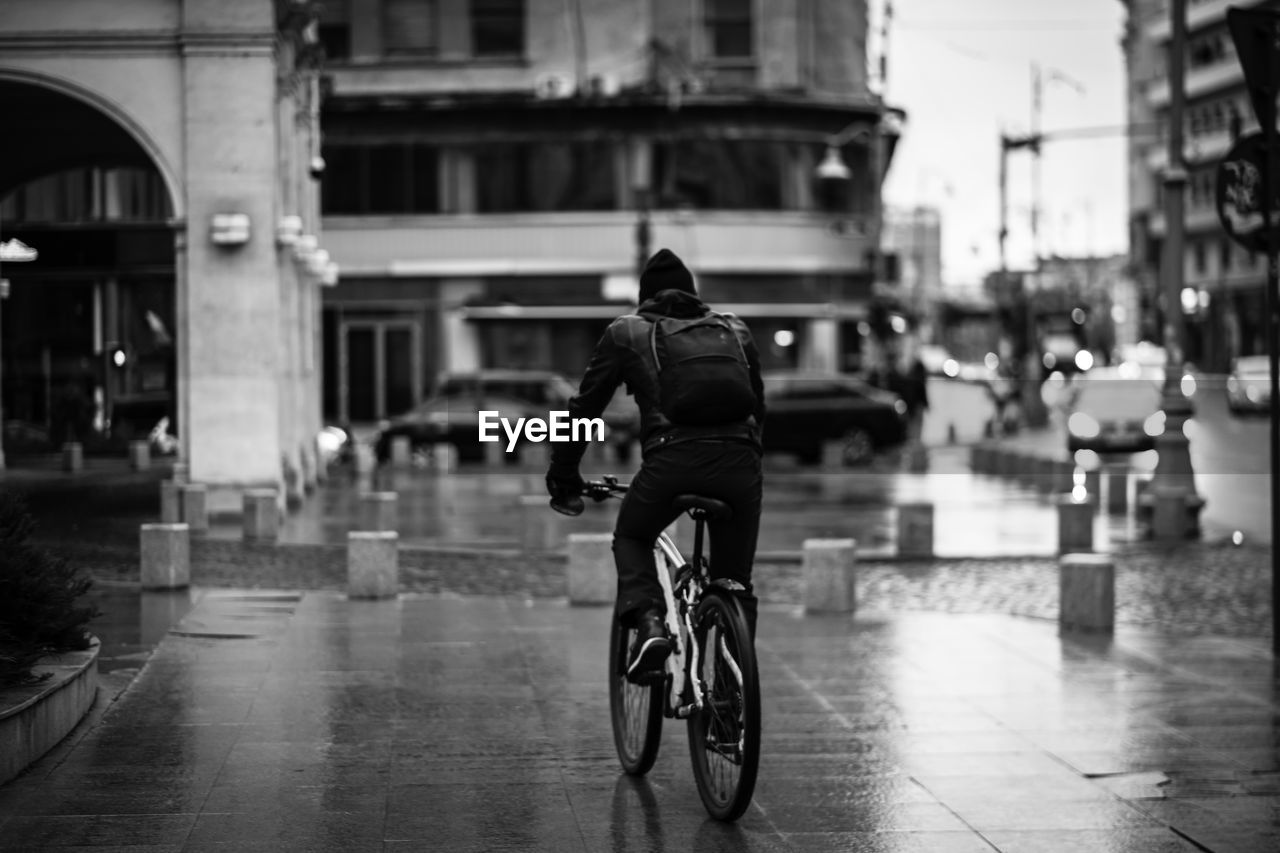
x: 679, y: 627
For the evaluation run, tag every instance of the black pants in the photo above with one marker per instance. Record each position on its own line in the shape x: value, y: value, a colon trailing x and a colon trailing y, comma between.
x: 725, y: 470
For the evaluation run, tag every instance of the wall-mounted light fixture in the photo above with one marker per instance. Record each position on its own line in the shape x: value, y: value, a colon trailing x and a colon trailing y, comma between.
x: 229, y: 229
x: 304, y: 246
x: 288, y: 230
x: 329, y: 277
x: 318, y: 260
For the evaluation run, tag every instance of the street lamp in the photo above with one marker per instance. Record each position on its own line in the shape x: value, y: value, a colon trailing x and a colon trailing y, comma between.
x: 834, y: 171
x: 13, y: 251
x: 1174, y: 478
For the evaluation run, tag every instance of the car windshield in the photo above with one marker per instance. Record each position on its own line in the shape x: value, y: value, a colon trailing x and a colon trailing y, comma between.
x: 1113, y: 397
x: 1253, y: 365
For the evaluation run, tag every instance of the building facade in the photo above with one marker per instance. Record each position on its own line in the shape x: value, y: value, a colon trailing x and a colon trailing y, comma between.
x: 912, y: 246
x: 496, y: 169
x: 158, y: 156
x: 1224, y: 283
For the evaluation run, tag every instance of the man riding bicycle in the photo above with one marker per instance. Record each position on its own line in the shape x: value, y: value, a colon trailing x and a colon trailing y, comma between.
x: 695, y: 376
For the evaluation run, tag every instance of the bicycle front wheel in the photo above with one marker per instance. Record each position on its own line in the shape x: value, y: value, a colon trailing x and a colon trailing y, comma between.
x: 635, y: 709
x: 724, y: 737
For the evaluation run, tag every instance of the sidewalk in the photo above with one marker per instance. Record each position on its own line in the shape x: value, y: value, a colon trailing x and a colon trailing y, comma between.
x: 302, y: 721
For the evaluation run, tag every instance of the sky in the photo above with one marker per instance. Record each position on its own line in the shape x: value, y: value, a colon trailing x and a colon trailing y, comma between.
x: 962, y: 70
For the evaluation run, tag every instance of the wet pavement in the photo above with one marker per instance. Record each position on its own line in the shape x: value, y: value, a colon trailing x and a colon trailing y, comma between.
x: 304, y: 721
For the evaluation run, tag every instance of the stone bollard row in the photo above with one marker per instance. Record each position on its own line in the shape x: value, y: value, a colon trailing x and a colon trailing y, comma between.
x: 261, y: 515
x: 165, y: 556
x: 139, y: 455
x: 170, y: 502
x: 1086, y: 593
x: 829, y: 572
x: 193, y: 502
x: 1075, y: 524
x: 915, y: 529
x: 373, y: 564
x: 591, y: 577
x: 379, y: 511
x: 1117, y: 487
x: 72, y: 457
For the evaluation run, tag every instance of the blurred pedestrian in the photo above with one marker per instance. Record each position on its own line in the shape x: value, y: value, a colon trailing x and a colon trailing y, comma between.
x: 913, y: 387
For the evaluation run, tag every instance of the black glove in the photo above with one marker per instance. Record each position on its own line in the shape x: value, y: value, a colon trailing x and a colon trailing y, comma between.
x: 565, y: 485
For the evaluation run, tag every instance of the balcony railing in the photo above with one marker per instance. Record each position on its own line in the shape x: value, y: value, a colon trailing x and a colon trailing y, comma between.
x: 593, y: 243
x: 1200, y: 14
x: 1200, y: 81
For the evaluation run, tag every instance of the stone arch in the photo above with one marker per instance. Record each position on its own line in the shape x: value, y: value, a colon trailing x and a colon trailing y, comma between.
x: 112, y: 111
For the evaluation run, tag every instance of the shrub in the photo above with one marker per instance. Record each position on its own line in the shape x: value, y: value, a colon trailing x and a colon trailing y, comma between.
x: 40, y: 612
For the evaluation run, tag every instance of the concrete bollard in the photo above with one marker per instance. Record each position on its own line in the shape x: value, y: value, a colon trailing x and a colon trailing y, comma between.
x: 917, y: 459
x: 139, y: 455
x: 1086, y: 593
x: 194, y: 504
x: 1075, y: 524
x: 181, y: 473
x: 261, y: 517
x: 401, y: 451
x: 830, y: 574
x: 379, y: 511
x: 170, y: 503
x: 979, y: 459
x: 592, y: 577
x: 1169, y: 520
x: 373, y: 564
x: 1117, y: 488
x: 539, y: 524
x: 72, y: 456
x: 915, y: 530
x: 444, y: 458
x: 951, y: 433
x: 365, y: 459
x: 165, y: 556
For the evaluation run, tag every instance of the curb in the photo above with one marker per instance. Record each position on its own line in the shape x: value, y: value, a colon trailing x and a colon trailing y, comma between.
x: 35, y: 718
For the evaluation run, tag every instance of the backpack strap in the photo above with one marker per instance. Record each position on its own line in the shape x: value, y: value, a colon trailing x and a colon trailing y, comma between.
x: 653, y: 344
x: 725, y: 318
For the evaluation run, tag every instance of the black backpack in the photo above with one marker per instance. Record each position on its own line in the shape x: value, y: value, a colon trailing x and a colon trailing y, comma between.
x: 703, y: 377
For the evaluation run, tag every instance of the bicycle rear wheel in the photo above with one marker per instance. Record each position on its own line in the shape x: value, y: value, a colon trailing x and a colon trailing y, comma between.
x: 635, y: 709
x: 724, y: 737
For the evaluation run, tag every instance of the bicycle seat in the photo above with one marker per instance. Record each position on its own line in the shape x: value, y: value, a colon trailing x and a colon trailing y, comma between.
x: 710, y: 507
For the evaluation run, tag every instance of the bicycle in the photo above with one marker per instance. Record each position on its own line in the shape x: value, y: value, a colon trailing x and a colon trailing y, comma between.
x: 710, y: 678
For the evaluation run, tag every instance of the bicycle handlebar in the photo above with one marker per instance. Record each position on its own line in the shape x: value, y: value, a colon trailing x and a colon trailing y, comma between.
x: 597, y: 490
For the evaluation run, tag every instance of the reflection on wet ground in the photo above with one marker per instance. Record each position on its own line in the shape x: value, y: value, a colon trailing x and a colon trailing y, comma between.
x: 974, y: 515
x: 279, y: 721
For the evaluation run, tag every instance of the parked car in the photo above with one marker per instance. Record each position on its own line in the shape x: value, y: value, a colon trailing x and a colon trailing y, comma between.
x: 1249, y: 384
x: 544, y: 387
x: 452, y: 419
x: 804, y: 410
x: 1116, y: 410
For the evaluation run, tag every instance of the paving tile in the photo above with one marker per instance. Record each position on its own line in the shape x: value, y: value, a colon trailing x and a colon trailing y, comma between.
x: 1090, y: 841
x: 26, y: 833
x: 886, y: 842
x: 866, y: 816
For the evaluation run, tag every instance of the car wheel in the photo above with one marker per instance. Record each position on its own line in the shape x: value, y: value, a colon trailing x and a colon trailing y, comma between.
x: 856, y: 447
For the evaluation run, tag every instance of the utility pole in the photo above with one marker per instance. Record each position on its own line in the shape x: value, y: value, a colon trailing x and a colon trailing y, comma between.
x: 1174, y: 480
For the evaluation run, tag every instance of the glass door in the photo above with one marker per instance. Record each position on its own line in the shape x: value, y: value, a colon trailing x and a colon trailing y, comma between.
x: 381, y: 368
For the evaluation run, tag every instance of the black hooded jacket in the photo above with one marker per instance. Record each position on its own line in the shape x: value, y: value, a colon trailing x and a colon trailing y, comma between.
x: 623, y: 356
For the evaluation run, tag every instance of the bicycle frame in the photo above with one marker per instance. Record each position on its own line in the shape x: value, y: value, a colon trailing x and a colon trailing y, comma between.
x: 670, y: 561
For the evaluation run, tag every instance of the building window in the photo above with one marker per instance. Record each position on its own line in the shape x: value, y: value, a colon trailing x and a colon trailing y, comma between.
x: 497, y: 27
x: 1200, y: 257
x: 730, y: 34
x: 721, y: 174
x: 335, y: 29
x: 381, y: 179
x: 519, y: 177
x: 409, y: 26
